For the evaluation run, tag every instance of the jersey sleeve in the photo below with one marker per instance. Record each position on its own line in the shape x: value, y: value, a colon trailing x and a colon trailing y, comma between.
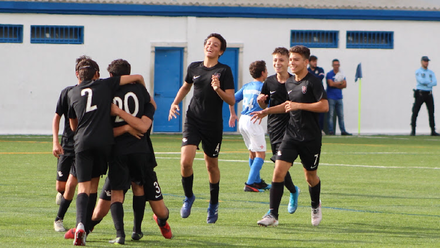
x: 265, y: 91
x: 239, y: 95
x: 318, y: 91
x: 61, y: 108
x: 149, y: 110
x: 227, y: 81
x: 189, y: 76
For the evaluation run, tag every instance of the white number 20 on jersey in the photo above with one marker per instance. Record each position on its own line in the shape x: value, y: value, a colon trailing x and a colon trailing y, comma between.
x: 124, y: 104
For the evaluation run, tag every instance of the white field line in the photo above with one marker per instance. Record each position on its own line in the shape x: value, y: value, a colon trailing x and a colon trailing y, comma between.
x: 325, y: 164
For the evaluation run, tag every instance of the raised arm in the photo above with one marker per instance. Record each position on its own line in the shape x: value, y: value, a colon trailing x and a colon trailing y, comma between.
x: 136, y: 78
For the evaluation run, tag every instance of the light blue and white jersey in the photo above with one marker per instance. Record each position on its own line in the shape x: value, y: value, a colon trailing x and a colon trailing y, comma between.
x: 249, y: 93
x: 425, y: 79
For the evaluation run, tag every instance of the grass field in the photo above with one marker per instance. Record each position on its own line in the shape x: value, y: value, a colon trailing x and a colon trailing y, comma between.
x: 377, y: 191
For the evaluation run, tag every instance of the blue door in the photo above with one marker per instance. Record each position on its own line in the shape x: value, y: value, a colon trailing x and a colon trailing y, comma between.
x: 168, y: 78
x: 230, y: 57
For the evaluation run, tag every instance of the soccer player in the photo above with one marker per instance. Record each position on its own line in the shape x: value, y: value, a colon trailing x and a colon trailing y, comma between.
x: 213, y: 83
x: 66, y: 176
x: 274, y: 93
x: 89, y: 113
x: 134, y: 159
x: 303, y: 138
x: 253, y: 133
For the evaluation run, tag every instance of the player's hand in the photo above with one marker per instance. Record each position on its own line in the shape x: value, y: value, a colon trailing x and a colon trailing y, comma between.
x: 174, y: 111
x: 261, y: 99
x: 291, y: 106
x: 57, y: 150
x: 135, y: 132
x: 114, y: 110
x: 258, y: 116
x: 232, y: 120
x: 215, y: 81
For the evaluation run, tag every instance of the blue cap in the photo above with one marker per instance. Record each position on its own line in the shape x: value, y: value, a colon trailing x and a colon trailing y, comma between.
x: 425, y: 58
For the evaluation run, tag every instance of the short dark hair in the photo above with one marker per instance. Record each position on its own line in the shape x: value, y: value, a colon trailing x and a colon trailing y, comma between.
x: 79, y: 60
x: 87, y: 69
x: 220, y: 37
x: 281, y: 50
x: 256, y: 68
x: 119, y: 67
x: 303, y: 50
x: 313, y: 58
x: 335, y: 60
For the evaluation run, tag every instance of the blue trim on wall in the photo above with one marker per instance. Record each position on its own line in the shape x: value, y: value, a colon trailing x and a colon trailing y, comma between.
x: 213, y: 11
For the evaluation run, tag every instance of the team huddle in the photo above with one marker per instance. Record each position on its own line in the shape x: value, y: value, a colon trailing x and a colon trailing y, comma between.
x: 108, y: 122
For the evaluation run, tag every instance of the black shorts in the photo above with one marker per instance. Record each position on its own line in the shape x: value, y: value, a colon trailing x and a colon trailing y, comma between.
x: 210, y: 136
x: 274, y: 148
x: 91, y: 163
x: 309, y: 152
x: 106, y: 192
x: 64, y: 166
x: 152, y: 189
x: 125, y: 169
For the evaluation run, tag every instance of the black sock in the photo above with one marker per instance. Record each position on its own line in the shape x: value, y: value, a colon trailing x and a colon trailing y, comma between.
x: 64, y: 205
x: 163, y: 222
x: 93, y: 223
x: 117, y: 211
x: 90, y: 207
x: 81, y: 208
x: 276, y: 193
x: 214, y: 189
x: 187, y: 183
x: 289, y: 183
x: 138, y: 212
x: 314, y: 194
x: 62, y: 192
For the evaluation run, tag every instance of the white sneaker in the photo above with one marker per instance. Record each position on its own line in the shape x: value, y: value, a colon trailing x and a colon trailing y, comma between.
x: 268, y: 220
x: 58, y: 226
x: 316, y: 215
x: 58, y: 198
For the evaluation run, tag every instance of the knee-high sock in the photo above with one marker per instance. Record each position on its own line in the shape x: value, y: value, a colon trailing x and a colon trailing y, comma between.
x: 254, y: 173
x: 90, y: 207
x: 117, y: 211
x: 214, y: 189
x: 314, y: 194
x: 276, y: 193
x: 64, y: 205
x: 187, y: 183
x: 82, y: 200
x: 289, y: 183
x: 138, y: 212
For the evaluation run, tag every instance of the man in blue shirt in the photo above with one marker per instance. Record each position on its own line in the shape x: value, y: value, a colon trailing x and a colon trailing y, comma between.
x: 318, y: 72
x: 423, y: 94
x: 253, y: 133
x: 335, y: 83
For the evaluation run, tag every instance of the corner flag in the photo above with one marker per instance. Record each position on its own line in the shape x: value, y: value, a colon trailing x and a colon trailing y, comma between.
x: 358, y: 72
x: 356, y: 77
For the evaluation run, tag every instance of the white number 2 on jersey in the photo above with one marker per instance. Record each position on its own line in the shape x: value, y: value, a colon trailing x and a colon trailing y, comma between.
x: 89, y: 93
x: 124, y: 105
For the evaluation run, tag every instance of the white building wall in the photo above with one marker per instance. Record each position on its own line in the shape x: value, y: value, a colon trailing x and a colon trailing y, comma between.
x: 34, y: 74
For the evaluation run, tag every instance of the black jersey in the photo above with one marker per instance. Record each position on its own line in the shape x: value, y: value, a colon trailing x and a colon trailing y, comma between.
x: 206, y: 105
x: 276, y: 123
x: 90, y: 102
x: 304, y: 125
x: 67, y: 142
x: 135, y: 100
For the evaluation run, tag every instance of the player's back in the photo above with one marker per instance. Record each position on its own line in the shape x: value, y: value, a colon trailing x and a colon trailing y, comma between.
x: 135, y: 100
x: 90, y: 102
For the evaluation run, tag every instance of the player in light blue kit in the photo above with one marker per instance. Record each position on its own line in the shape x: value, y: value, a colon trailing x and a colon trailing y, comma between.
x: 253, y: 133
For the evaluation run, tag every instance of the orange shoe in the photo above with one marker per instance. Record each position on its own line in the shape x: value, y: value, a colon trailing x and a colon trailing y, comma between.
x: 70, y: 234
x: 165, y: 230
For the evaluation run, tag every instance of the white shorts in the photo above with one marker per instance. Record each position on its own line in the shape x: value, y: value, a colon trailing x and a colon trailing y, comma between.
x: 253, y: 134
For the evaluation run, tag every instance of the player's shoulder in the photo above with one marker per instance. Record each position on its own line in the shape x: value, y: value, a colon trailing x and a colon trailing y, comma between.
x: 195, y: 64
x: 221, y: 65
x: 271, y: 80
x: 312, y: 78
